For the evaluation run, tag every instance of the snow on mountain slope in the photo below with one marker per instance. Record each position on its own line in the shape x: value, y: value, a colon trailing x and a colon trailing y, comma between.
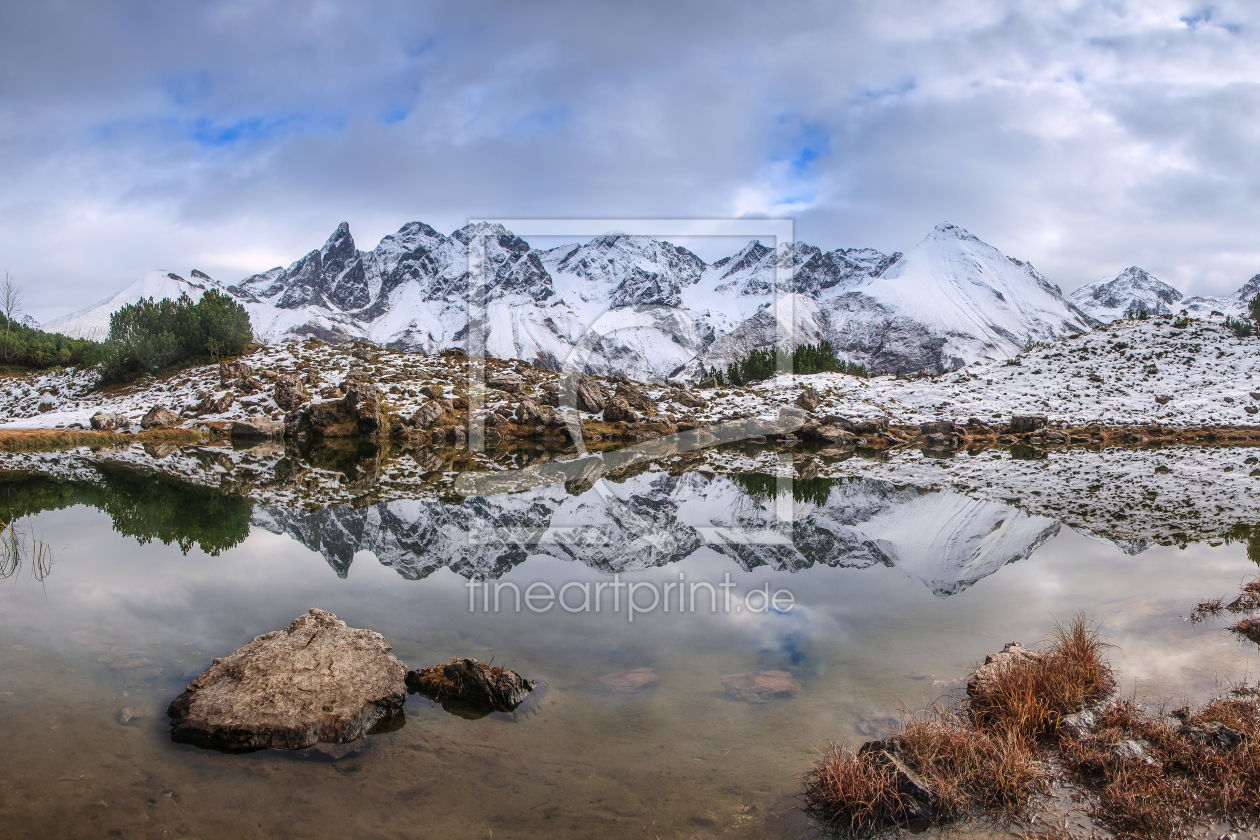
x: 1130, y: 291
x: 951, y: 301
x: 1235, y: 304
x: 651, y: 309
x: 93, y: 322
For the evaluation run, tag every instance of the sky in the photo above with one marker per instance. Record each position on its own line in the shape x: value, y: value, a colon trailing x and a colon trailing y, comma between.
x: 234, y: 136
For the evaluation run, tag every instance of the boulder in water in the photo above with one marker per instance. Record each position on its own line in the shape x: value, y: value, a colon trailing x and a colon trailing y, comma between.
x: 315, y: 681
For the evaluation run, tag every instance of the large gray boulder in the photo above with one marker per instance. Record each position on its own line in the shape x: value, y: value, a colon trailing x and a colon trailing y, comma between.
x: 588, y: 394
x: 809, y: 399
x: 289, y: 393
x: 315, y: 681
x: 528, y: 413
x: 635, y: 398
x: 618, y: 410
x: 103, y: 421
x: 158, y: 416
x: 426, y: 414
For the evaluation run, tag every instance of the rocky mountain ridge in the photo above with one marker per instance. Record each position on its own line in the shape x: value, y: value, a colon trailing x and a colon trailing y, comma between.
x: 652, y: 310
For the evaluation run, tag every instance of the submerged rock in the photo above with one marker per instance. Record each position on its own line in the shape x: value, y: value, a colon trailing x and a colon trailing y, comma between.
x: 761, y: 686
x: 628, y: 682
x: 470, y: 688
x: 316, y: 680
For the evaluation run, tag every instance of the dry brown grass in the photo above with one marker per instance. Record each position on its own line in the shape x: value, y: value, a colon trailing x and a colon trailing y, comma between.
x: 1187, y: 780
x: 969, y: 767
x: 1032, y: 698
x: 965, y: 767
x: 854, y: 793
x: 43, y: 440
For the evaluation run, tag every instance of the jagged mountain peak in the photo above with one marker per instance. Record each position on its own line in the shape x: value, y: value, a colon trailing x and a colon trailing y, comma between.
x: 949, y: 230
x: 493, y: 229
x: 1131, y: 290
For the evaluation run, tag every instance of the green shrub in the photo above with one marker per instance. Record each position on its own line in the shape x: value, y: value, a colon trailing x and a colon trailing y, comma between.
x: 806, y: 358
x: 1241, y: 327
x: 149, y: 336
x: 29, y: 347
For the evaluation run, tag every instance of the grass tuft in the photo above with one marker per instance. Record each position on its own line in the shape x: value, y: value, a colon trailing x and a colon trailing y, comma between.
x: 1032, y: 697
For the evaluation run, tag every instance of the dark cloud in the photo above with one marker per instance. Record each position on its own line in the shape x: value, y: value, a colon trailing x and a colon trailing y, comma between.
x: 233, y: 136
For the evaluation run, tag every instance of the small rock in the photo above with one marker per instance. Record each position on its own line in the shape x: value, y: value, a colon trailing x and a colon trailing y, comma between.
x: 707, y: 382
x: 1079, y: 724
x: 1163, y: 399
x: 159, y: 415
x: 995, y: 664
x: 260, y: 427
x: 761, y: 686
x: 1213, y: 734
x: 1134, y: 750
x: 875, y: 426
x: 210, y: 404
x: 938, y: 427
x: 229, y: 372
x: 688, y: 400
x: 1024, y: 423
x: 435, y: 392
x: 466, y: 685
x: 919, y: 800
x: 507, y: 383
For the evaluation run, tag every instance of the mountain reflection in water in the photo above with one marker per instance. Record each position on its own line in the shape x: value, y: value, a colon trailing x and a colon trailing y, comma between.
x: 615, y: 512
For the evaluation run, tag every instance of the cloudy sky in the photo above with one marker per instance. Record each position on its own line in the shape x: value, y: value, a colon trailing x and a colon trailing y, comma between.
x: 234, y: 136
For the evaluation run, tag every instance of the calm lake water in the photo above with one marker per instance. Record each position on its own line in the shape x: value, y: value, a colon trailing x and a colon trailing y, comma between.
x: 897, y: 592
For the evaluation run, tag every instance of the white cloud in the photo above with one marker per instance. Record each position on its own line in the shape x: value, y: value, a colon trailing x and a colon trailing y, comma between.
x: 233, y: 136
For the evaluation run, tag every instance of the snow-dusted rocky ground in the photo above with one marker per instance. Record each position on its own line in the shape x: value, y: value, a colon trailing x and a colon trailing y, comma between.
x: 1111, y: 376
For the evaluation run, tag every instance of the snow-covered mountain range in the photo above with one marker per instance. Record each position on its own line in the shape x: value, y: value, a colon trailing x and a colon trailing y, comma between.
x: 654, y: 310
x: 1133, y: 290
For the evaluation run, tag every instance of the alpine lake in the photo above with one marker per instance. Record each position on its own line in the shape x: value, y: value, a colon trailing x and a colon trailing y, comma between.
x: 872, y: 587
